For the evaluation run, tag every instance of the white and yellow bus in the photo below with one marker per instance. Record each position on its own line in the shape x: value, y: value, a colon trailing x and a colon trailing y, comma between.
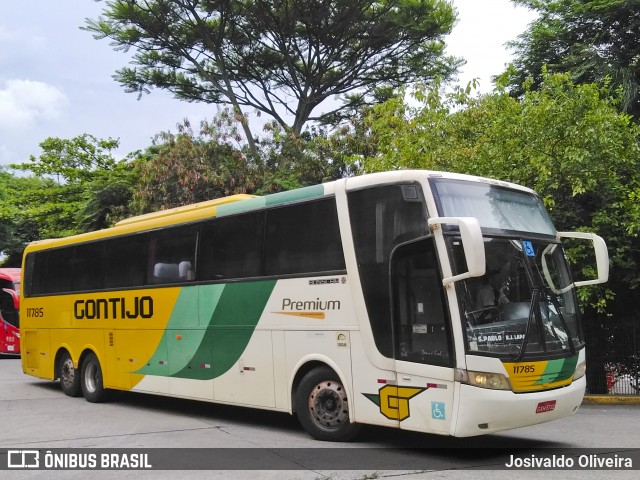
x: 419, y: 300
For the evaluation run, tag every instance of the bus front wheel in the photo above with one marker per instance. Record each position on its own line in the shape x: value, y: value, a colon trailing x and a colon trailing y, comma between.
x: 322, y: 406
x: 69, y: 375
x: 91, y: 380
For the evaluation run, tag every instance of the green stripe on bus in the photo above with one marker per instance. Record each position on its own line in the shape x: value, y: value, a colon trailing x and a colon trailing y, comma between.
x: 313, y: 191
x: 557, y: 370
x: 181, y: 334
x: 305, y: 193
x: 240, y: 207
x: 232, y: 323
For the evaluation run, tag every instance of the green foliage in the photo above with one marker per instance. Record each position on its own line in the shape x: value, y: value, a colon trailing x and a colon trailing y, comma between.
x: 17, y: 226
x: 186, y: 168
x: 72, y: 161
x: 566, y: 141
x: 293, y: 161
x: 106, y: 198
x: 593, y: 40
x: 76, y: 186
x: 189, y: 167
x: 278, y: 57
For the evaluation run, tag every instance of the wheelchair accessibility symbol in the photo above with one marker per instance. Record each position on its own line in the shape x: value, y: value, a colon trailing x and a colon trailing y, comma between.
x: 437, y: 411
x: 528, y: 248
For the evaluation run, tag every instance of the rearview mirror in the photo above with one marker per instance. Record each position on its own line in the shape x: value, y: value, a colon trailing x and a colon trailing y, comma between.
x: 600, y: 250
x: 472, y: 243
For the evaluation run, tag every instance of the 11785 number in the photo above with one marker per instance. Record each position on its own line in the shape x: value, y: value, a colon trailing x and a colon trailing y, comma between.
x: 35, y: 312
x: 524, y: 369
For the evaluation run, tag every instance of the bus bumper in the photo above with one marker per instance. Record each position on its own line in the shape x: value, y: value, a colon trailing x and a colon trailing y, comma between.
x: 483, y: 411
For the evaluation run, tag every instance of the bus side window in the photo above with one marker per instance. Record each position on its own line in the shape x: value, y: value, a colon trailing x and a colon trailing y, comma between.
x: 303, y: 238
x: 126, y: 261
x: 168, y: 249
x: 52, y: 271
x: 88, y: 267
x: 231, y: 247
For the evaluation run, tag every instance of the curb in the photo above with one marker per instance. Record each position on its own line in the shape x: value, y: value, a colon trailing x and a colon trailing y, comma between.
x: 611, y: 400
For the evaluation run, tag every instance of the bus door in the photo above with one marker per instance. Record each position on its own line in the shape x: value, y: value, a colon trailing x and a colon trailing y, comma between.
x: 423, y: 349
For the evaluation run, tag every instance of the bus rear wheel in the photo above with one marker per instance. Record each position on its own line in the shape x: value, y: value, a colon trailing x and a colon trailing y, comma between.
x: 322, y: 406
x: 69, y: 375
x: 91, y: 380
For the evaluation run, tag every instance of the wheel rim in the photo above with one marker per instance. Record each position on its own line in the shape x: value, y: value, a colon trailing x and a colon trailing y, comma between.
x: 67, y: 373
x: 328, y: 405
x: 91, y: 377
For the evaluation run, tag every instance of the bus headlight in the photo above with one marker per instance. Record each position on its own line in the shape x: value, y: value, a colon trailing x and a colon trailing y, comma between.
x: 581, y: 370
x: 494, y: 381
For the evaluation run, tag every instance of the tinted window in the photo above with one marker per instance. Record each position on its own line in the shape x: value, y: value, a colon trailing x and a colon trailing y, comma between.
x: 88, y: 267
x: 125, y: 261
x: 52, y: 271
x: 172, y: 254
x: 303, y: 238
x: 382, y: 218
x: 231, y: 247
x: 297, y: 239
x: 420, y: 321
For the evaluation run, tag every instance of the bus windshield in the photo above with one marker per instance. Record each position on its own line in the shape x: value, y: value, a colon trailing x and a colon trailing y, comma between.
x: 524, y: 306
x: 497, y: 208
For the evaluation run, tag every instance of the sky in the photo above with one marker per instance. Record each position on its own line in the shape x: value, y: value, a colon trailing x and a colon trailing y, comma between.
x: 56, y: 80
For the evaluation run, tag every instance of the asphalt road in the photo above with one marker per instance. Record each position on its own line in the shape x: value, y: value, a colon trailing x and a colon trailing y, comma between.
x: 36, y: 415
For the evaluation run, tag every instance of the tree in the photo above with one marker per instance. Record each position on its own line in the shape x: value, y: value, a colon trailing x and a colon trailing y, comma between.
x: 591, y: 39
x: 185, y: 168
x: 17, y: 226
x: 317, y: 155
x: 211, y: 162
x: 107, y: 197
x: 279, y: 57
x: 73, y: 160
x: 82, y: 186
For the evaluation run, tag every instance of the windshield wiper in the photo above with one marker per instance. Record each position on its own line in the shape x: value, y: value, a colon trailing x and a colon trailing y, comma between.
x: 534, y: 311
x: 563, y: 321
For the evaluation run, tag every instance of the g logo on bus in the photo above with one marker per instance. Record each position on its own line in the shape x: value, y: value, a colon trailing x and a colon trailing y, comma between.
x: 394, y: 401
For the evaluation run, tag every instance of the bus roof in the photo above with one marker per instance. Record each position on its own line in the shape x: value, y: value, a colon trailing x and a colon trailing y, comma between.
x: 185, y: 209
x: 149, y: 221
x: 189, y: 213
x: 360, y: 181
x: 243, y: 203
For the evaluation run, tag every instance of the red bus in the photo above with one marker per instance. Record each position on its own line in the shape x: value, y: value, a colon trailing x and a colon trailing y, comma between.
x: 9, y: 307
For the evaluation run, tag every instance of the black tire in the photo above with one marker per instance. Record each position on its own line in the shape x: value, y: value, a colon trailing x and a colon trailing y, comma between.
x: 322, y: 406
x: 91, y: 380
x: 69, y: 375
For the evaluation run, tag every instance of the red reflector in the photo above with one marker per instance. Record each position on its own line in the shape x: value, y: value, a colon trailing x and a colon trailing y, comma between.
x: 546, y: 406
x: 382, y: 380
